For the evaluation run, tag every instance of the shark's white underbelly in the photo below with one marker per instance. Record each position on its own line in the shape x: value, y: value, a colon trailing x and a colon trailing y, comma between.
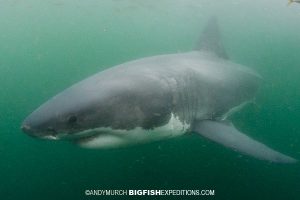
x: 114, y: 138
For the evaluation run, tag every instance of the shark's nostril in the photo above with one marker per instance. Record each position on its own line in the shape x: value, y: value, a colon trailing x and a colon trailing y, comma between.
x: 25, y: 128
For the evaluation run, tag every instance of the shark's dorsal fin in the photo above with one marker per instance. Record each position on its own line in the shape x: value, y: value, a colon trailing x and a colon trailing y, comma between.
x: 210, y: 39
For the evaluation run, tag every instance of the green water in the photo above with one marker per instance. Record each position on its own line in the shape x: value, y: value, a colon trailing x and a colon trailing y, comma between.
x: 45, y: 46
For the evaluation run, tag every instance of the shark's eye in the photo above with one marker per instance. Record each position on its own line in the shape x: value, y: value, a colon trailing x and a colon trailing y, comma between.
x: 72, y: 119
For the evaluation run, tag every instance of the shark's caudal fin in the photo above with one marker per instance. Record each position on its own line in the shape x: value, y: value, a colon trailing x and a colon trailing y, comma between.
x: 210, y: 39
x: 229, y: 136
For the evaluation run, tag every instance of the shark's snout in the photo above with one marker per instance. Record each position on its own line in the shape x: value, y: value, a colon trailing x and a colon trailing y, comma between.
x: 27, y: 129
x: 50, y: 133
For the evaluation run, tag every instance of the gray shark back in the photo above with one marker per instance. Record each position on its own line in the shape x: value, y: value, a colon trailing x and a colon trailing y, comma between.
x: 196, y: 85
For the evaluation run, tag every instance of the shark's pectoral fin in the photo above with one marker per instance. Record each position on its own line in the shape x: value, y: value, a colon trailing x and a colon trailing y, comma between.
x: 227, y: 135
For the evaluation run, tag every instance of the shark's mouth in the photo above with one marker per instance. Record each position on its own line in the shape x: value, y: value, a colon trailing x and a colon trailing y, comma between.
x: 107, y: 137
x: 74, y: 136
x: 50, y: 137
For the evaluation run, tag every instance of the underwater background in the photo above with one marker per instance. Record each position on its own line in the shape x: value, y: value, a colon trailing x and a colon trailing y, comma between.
x: 45, y: 46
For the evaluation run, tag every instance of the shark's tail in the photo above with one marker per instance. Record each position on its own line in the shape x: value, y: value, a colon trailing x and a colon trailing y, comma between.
x: 290, y: 2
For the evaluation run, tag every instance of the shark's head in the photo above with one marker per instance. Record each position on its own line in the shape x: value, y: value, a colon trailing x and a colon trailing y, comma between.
x: 108, y: 100
x: 75, y: 111
x: 55, y: 120
x: 64, y: 116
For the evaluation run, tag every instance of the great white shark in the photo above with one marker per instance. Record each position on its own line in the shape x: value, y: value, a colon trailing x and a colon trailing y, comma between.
x: 156, y: 98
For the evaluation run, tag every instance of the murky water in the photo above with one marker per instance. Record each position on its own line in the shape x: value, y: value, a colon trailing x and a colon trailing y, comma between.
x: 45, y: 46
